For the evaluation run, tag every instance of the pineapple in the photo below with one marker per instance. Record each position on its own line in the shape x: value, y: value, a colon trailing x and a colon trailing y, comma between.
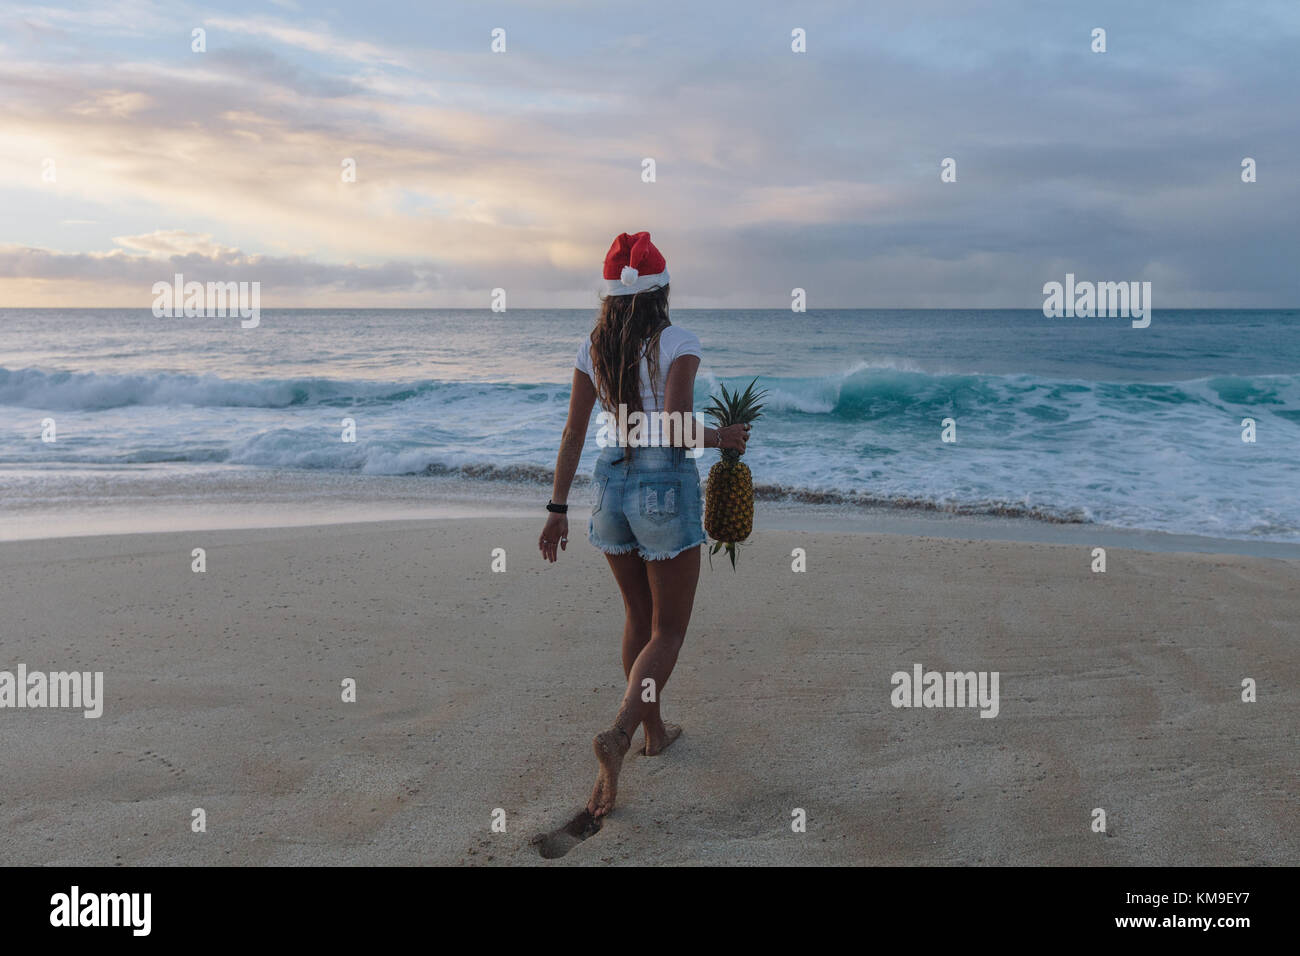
x: 729, y: 498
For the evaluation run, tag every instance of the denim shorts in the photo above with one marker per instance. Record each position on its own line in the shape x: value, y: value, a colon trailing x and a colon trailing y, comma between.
x: 648, y: 502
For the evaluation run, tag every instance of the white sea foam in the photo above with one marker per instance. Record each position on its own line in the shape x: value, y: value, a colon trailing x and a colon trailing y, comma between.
x: 1132, y: 433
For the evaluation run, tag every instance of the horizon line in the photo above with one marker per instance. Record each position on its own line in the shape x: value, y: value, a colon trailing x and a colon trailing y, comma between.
x: 577, y: 308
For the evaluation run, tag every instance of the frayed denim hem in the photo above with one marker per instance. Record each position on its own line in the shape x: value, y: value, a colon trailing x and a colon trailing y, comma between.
x: 612, y: 548
x: 668, y: 555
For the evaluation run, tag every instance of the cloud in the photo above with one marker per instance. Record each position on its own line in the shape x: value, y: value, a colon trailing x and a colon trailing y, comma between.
x: 319, y: 40
x: 774, y: 169
x: 118, y: 104
x: 146, y: 259
x: 166, y: 243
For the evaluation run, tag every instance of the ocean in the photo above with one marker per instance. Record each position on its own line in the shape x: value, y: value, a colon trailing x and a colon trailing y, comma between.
x: 1064, y: 421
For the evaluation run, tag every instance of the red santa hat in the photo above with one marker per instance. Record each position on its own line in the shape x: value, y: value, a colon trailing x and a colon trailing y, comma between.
x: 633, y: 264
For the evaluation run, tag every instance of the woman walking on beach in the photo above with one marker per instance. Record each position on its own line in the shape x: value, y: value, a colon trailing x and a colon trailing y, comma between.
x: 645, y: 502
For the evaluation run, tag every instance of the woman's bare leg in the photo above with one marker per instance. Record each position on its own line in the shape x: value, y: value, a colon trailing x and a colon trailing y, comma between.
x: 629, y: 572
x: 672, y: 591
x: 638, y: 605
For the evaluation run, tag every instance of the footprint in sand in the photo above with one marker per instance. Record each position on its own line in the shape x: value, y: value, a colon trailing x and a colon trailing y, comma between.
x: 554, y: 845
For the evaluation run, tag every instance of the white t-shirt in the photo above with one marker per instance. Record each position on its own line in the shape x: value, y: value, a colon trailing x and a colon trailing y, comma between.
x: 673, y: 342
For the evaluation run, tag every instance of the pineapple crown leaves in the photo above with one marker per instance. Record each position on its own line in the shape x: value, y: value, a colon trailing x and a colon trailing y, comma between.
x: 736, y: 408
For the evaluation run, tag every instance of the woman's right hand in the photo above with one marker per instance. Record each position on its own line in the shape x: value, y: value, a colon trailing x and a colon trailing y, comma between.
x: 555, y: 535
x: 733, y: 437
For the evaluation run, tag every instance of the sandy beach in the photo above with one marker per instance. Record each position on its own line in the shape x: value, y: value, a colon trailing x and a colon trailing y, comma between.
x: 478, y: 690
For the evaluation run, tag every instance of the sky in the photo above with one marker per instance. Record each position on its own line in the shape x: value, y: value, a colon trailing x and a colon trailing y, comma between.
x: 126, y: 156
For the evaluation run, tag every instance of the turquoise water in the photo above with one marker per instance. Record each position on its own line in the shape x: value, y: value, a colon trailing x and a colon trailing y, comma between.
x: 1063, y: 420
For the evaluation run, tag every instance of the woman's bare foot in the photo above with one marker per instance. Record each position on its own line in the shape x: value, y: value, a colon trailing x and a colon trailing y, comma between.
x: 658, y: 739
x: 610, y: 747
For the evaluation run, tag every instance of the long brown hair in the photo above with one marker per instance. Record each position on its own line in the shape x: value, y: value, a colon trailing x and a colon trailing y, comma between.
x: 627, y: 330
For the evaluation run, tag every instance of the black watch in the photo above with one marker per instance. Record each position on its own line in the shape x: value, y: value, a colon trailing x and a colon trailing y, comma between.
x: 557, y: 509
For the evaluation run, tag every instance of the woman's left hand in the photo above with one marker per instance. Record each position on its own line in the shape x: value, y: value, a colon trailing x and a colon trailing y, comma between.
x: 555, y: 533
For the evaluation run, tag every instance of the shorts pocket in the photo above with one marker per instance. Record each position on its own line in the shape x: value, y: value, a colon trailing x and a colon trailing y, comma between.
x: 661, y: 498
x: 598, y: 484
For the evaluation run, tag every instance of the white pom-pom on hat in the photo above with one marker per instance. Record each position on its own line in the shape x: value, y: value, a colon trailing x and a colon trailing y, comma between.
x: 633, y: 265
